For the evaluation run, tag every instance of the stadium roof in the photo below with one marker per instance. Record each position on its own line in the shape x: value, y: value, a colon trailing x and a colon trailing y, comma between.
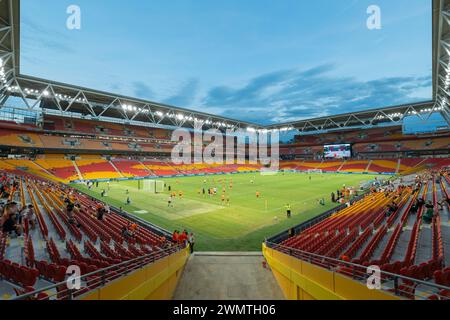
x: 66, y: 99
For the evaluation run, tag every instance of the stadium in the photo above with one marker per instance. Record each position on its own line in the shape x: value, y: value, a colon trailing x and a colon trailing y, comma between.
x: 105, y: 196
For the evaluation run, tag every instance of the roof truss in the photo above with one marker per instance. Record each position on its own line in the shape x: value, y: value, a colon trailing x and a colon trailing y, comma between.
x: 67, y: 100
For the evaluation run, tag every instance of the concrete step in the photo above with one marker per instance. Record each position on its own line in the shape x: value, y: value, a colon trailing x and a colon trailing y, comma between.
x: 227, y: 276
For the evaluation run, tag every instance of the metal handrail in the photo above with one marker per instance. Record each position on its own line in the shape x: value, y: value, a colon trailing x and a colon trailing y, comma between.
x: 103, y: 273
x: 284, y: 235
x: 309, y: 257
x: 148, y: 225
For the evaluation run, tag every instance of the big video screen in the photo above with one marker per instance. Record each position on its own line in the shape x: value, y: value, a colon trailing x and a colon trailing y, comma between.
x: 337, y: 151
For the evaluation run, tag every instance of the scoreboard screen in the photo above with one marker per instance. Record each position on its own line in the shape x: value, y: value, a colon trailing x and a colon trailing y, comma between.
x: 337, y: 151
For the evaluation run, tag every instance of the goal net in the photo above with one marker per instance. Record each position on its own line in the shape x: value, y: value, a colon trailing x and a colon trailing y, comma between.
x: 153, y: 186
x: 314, y: 171
x: 269, y: 172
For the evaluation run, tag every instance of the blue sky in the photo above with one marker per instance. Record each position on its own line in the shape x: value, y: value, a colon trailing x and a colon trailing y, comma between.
x: 263, y: 61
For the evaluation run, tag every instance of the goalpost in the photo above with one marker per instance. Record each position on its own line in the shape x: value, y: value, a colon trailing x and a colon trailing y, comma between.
x: 153, y: 186
x: 314, y: 171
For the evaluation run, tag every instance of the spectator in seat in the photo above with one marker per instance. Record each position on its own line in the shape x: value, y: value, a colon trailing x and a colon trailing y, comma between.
x: 126, y: 231
x: 183, y: 237
x: 429, y: 214
x: 30, y: 215
x: 414, y: 207
x: 10, y: 220
x: 392, y: 208
x: 420, y: 202
x: 100, y: 213
x: 69, y: 211
x: 175, y: 236
x: 2, y: 208
x: 443, y: 202
x: 133, y: 228
x: 162, y: 241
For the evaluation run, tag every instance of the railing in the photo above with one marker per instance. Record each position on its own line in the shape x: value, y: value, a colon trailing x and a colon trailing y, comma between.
x: 146, y: 224
x: 307, y: 224
x: 395, y: 284
x: 97, y: 279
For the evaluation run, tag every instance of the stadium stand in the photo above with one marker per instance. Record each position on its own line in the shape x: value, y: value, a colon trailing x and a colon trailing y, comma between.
x: 365, y: 233
x: 91, y: 167
x: 97, y: 168
x: 401, y: 228
x: 131, y: 168
x: 67, y: 236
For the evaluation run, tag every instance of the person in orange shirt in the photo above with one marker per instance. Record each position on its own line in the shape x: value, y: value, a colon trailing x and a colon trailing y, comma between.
x: 223, y: 199
x: 133, y: 229
x: 175, y: 236
x: 258, y: 194
x: 162, y: 241
x: 183, y: 237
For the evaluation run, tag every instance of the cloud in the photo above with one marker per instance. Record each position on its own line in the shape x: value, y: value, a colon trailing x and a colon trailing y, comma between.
x: 142, y: 90
x: 37, y: 36
x: 289, y: 95
x: 186, y: 94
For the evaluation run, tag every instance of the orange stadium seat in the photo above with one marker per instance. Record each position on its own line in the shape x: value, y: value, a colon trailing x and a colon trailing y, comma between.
x: 92, y: 169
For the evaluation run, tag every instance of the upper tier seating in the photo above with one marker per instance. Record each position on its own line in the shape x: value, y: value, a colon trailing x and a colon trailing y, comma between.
x: 54, y: 123
x: 20, y: 139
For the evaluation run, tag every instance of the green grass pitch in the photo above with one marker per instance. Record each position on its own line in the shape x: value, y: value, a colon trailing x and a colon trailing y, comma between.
x: 247, y: 221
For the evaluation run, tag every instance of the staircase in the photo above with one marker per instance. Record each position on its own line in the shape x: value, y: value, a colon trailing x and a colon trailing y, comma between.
x: 319, y: 166
x: 342, y: 165
x: 242, y: 277
x: 80, y: 176
x: 42, y: 168
x: 368, y: 166
x: 115, y: 168
x: 151, y: 173
x: 399, y: 162
x: 302, y: 162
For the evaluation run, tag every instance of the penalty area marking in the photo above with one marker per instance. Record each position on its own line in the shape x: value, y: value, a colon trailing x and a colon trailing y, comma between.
x: 141, y: 212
